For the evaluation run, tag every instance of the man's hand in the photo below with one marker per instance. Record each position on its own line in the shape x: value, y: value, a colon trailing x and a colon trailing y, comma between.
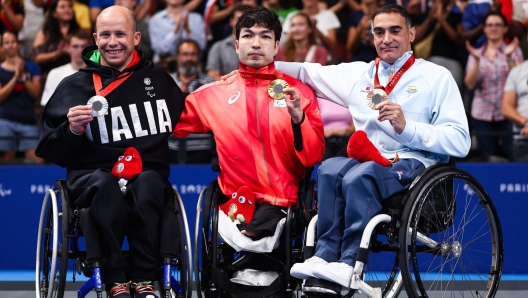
x: 79, y: 117
x: 524, y: 131
x: 392, y: 111
x: 293, y: 102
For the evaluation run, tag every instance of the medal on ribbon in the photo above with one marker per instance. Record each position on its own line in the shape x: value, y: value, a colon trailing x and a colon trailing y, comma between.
x: 380, y: 93
x: 99, y: 105
x: 276, y: 88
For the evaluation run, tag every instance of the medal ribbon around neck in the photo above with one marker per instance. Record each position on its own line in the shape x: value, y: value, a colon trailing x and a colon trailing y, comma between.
x: 396, y: 76
x: 98, y: 83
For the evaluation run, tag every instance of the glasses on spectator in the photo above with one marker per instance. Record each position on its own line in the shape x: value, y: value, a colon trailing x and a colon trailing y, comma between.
x: 496, y: 25
x: 188, y: 54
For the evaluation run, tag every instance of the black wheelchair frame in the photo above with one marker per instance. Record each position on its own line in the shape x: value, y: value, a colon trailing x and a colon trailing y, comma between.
x: 57, y: 243
x: 423, y: 230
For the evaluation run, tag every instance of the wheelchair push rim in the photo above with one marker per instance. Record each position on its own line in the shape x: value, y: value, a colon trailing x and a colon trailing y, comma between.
x: 454, y: 238
x: 52, y: 250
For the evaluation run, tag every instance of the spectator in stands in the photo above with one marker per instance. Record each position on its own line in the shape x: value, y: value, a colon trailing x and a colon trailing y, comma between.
x: 515, y: 108
x: 20, y: 88
x: 189, y: 77
x: 444, y: 23
x: 82, y: 15
x: 141, y: 10
x: 217, y: 17
x: 33, y: 20
x: 326, y: 23
x: 222, y: 58
x: 301, y: 45
x: 281, y: 7
x: 473, y: 19
x: 141, y: 26
x: 169, y: 26
x: 360, y: 41
x: 486, y: 72
x: 50, y: 49
x: 11, y: 15
x: 76, y: 43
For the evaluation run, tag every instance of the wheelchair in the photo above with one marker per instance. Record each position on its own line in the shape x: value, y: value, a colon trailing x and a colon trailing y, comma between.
x: 220, y: 261
x: 58, y: 242
x: 440, y: 238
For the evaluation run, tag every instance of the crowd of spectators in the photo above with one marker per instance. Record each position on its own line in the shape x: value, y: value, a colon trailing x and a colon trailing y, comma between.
x: 482, y: 43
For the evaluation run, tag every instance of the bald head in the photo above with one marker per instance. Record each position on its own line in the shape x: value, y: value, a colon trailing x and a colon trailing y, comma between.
x: 117, y: 11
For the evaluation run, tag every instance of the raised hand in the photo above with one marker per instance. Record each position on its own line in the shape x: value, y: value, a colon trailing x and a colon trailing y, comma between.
x: 474, y: 52
x: 511, y: 47
x: 293, y: 102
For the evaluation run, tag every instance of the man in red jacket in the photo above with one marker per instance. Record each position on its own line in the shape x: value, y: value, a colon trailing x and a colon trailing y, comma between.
x: 267, y: 125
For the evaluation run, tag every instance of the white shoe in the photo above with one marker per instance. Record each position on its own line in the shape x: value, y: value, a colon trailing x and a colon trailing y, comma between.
x: 337, y: 272
x: 305, y: 270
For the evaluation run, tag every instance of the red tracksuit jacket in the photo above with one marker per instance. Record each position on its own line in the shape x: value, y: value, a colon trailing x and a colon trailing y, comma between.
x: 254, y: 135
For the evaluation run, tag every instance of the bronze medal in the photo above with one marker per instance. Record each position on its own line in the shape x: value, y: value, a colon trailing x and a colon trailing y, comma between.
x: 276, y: 88
x: 375, y: 97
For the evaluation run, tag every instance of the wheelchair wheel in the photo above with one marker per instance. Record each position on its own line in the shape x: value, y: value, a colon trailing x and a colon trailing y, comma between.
x: 182, y: 264
x: 453, y: 236
x: 52, y: 243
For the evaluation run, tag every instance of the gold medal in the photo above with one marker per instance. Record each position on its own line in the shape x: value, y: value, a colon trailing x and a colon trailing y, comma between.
x: 375, y: 97
x: 99, y: 105
x: 276, y: 87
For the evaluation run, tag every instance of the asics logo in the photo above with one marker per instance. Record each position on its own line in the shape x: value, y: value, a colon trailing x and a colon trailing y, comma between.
x: 233, y: 98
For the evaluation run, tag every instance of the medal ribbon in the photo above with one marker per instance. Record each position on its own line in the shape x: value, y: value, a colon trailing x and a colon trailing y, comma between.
x: 98, y: 83
x: 258, y: 76
x: 396, y: 76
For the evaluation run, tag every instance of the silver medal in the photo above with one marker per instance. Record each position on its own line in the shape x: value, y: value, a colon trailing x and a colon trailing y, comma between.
x: 99, y: 105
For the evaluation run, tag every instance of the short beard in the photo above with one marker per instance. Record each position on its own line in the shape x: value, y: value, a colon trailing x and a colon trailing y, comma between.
x: 188, y: 69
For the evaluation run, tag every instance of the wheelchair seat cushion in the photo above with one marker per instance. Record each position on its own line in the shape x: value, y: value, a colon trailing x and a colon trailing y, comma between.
x: 230, y: 233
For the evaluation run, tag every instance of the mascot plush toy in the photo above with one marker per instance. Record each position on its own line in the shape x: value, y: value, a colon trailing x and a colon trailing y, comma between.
x: 361, y: 149
x: 127, y: 167
x: 241, y: 206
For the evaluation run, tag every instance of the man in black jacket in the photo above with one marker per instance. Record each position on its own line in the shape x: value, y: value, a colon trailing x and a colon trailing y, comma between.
x: 118, y: 101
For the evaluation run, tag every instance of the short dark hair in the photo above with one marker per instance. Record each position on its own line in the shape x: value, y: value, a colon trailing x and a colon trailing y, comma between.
x: 80, y: 34
x: 259, y: 16
x: 495, y: 13
x: 238, y: 8
x: 188, y: 40
x: 395, y: 8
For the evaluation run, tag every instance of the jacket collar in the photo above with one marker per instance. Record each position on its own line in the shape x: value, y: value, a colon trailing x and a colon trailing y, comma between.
x: 269, y: 69
x: 398, y: 63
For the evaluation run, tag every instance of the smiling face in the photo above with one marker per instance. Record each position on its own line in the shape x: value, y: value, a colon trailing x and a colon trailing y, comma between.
x: 300, y: 28
x: 116, y: 37
x: 256, y: 46
x: 392, y: 38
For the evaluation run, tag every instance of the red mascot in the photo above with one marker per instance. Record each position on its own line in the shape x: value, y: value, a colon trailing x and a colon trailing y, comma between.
x: 241, y: 206
x: 127, y: 167
x: 361, y: 149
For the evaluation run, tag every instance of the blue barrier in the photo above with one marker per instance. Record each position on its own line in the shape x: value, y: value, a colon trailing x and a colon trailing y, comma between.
x: 22, y: 189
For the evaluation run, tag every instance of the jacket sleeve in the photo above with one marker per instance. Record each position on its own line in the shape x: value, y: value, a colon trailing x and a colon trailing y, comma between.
x: 191, y: 120
x: 57, y: 143
x: 330, y: 82
x: 313, y: 144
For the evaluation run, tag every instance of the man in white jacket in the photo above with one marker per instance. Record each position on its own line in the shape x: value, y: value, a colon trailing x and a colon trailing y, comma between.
x: 407, y: 107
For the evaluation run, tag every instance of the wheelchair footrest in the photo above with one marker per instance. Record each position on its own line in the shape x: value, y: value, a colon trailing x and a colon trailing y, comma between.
x: 321, y: 286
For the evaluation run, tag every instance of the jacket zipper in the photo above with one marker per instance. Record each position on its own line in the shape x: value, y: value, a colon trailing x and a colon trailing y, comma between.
x: 261, y: 141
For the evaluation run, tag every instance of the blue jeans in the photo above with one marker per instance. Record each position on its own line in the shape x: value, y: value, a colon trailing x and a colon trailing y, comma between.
x: 25, y: 136
x: 350, y: 194
x: 489, y: 144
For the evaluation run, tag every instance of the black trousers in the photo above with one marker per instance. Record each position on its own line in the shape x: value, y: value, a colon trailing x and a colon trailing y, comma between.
x: 143, y: 214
